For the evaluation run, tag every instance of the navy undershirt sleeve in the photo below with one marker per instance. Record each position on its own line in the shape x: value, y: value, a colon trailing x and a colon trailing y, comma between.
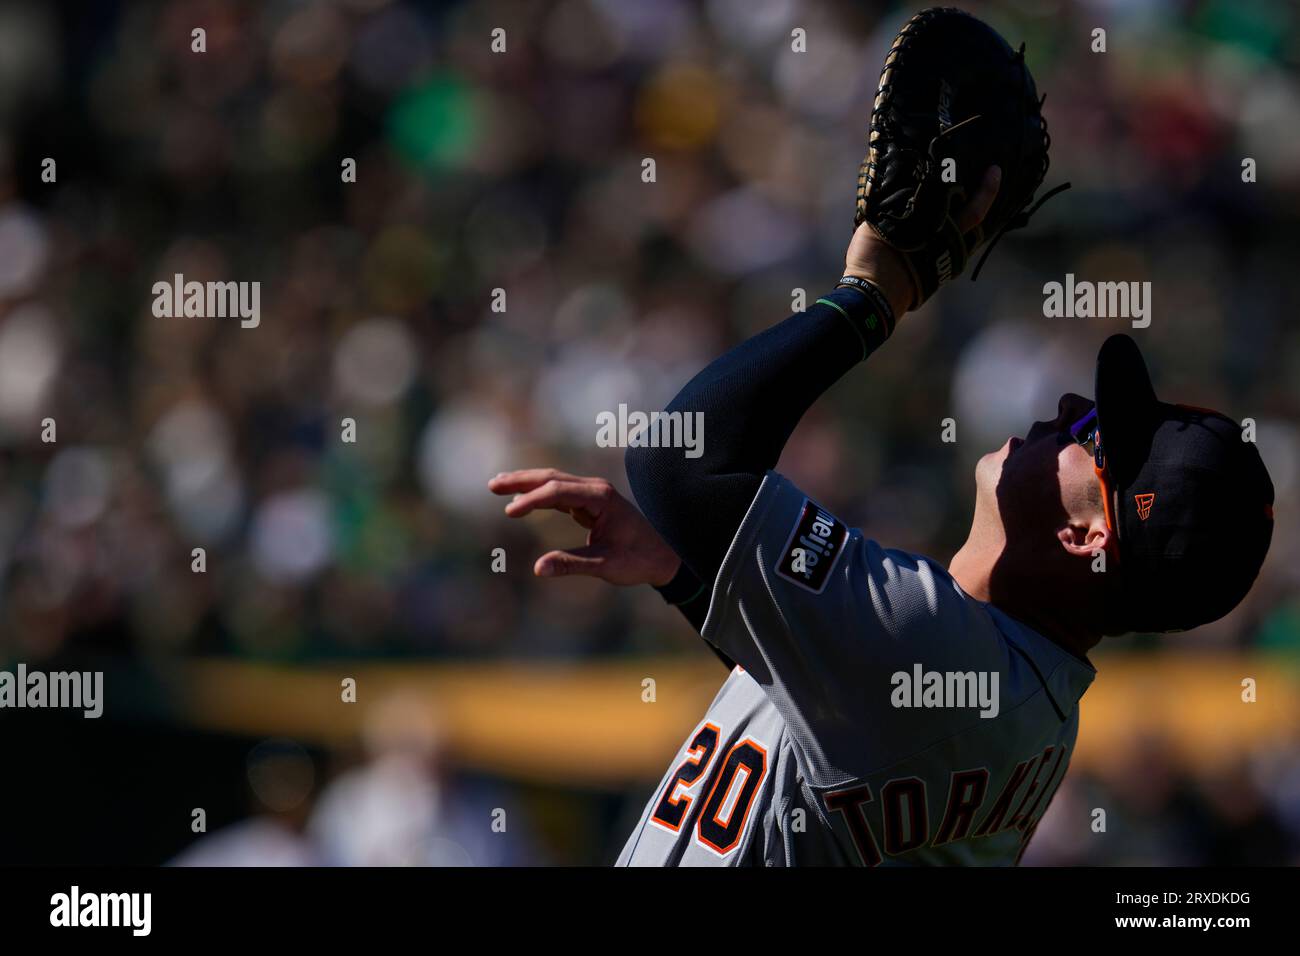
x: 691, y: 596
x: 751, y: 400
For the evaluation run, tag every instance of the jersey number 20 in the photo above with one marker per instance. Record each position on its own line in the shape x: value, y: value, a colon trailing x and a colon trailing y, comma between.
x: 721, y: 821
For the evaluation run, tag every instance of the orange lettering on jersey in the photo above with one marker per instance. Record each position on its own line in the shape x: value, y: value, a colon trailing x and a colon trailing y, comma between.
x: 850, y: 803
x: 1025, y: 823
x: 904, y: 807
x: 1017, y: 817
x: 966, y: 790
x: 907, y: 822
x: 993, y: 822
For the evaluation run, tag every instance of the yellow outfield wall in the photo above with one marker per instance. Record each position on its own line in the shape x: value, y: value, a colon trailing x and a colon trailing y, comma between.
x: 587, y: 724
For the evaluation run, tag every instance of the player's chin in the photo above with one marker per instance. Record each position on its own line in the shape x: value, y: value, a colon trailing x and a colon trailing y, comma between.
x: 988, y: 470
x: 999, y: 455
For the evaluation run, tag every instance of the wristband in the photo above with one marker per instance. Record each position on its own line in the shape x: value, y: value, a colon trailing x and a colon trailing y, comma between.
x: 874, y: 296
x: 861, y: 313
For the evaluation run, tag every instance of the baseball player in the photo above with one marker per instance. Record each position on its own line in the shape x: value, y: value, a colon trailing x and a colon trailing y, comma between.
x: 881, y: 709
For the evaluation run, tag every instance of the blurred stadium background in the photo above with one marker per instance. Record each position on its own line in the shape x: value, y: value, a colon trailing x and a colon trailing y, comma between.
x: 482, y: 692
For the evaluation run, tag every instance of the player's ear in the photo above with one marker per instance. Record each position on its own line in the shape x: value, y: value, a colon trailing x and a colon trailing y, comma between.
x: 1085, y: 540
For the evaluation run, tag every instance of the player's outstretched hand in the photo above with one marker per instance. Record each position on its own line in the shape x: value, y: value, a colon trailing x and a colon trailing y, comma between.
x: 870, y: 257
x: 622, y: 546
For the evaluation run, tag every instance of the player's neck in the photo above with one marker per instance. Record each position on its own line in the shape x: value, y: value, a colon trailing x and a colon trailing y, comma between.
x: 972, y: 567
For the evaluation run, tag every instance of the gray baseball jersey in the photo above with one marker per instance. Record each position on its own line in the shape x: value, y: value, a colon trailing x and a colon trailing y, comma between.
x: 877, y: 715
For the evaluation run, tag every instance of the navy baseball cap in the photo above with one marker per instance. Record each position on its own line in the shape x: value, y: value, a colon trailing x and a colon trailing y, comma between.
x: 1193, y: 504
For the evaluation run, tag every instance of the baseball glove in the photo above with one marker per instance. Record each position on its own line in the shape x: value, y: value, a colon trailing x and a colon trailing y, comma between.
x: 951, y: 89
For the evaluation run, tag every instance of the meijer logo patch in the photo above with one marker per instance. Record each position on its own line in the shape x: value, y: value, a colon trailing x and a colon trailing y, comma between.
x: 813, y: 548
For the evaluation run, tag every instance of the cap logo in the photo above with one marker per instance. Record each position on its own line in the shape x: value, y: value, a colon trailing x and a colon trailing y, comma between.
x: 1144, y: 505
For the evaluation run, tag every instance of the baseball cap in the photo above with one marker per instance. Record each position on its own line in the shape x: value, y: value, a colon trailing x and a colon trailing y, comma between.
x: 1194, y: 508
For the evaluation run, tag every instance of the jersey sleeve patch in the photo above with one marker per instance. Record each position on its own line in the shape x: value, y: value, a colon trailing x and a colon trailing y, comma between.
x: 813, y: 548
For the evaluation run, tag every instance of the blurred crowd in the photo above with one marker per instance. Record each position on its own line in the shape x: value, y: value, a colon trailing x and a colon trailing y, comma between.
x: 395, y: 801
x: 1148, y: 808
x: 500, y: 272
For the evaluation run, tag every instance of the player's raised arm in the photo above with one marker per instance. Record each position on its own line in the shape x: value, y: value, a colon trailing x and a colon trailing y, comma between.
x: 752, y: 398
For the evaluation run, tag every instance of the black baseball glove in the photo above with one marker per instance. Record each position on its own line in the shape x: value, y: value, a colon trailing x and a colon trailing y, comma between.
x: 952, y: 89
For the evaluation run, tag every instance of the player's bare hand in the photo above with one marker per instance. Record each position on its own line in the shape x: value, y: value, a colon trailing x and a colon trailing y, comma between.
x: 622, y: 546
x: 872, y: 258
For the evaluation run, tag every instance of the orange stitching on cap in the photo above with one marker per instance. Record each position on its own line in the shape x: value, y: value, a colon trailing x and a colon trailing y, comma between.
x: 1144, y: 505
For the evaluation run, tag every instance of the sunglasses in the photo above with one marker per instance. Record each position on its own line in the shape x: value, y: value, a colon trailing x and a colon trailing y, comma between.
x: 1087, y: 434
